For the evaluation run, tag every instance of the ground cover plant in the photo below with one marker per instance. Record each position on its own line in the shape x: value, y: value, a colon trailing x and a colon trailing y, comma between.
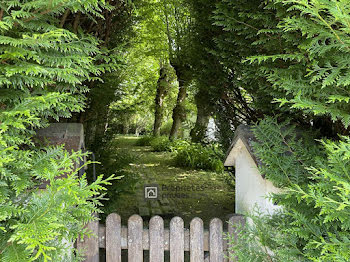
x: 194, y: 155
x: 188, y: 154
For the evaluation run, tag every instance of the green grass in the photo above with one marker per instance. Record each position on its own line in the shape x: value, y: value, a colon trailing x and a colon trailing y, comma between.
x: 158, y: 168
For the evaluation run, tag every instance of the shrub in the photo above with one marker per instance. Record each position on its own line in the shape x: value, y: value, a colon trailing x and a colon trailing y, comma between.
x: 161, y: 144
x: 122, y: 159
x: 314, y: 222
x: 166, y: 128
x: 144, y: 140
x: 45, y: 72
x: 195, y: 155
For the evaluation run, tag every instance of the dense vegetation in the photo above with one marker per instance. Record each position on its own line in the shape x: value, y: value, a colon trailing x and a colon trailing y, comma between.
x: 186, y: 153
x: 304, y: 155
x: 170, y: 70
x: 47, y: 63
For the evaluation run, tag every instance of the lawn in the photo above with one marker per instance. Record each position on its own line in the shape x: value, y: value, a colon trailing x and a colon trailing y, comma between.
x: 181, y: 192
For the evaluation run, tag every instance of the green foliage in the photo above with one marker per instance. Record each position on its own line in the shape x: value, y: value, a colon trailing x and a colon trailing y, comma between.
x: 248, y: 28
x: 117, y: 161
x: 158, y: 144
x: 44, y: 73
x: 307, y: 70
x: 313, y: 224
x: 310, y: 73
x: 261, y: 235
x: 188, y: 154
x: 319, y: 84
x: 144, y: 140
x: 193, y: 155
x: 161, y: 143
x: 284, y: 152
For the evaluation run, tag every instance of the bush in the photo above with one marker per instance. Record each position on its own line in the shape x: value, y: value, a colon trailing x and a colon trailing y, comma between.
x: 144, y: 140
x: 187, y: 154
x: 122, y: 159
x: 166, y: 128
x: 161, y: 144
x: 314, y: 221
x: 195, y: 155
x: 46, y: 72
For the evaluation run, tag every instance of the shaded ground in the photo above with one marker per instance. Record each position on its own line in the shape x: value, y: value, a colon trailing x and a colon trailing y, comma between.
x: 181, y: 192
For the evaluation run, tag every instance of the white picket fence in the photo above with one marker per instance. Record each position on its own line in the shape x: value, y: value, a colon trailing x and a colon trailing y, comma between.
x: 177, y: 239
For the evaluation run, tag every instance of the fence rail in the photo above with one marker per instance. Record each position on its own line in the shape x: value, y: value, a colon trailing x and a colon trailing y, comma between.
x: 135, y: 238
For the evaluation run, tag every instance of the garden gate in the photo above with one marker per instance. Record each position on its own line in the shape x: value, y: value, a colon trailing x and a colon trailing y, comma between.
x: 135, y: 238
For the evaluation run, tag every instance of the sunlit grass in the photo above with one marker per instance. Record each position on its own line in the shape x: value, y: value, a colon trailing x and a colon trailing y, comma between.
x: 158, y: 168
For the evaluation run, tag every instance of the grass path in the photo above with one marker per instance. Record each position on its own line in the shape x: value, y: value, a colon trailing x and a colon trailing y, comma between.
x: 182, y: 192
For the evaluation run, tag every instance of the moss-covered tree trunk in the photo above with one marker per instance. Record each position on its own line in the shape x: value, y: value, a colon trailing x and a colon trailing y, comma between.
x: 162, y: 90
x: 204, y: 111
x: 179, y: 113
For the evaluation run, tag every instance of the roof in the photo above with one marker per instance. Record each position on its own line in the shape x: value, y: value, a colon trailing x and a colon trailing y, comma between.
x: 243, y: 137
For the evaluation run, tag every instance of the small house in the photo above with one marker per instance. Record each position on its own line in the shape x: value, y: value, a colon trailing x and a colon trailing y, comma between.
x: 251, y: 187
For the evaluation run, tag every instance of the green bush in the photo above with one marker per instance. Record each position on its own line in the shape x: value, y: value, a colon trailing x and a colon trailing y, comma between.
x: 313, y: 224
x: 122, y: 159
x: 144, y: 140
x: 165, y: 129
x: 46, y: 71
x: 161, y: 144
x: 195, y: 155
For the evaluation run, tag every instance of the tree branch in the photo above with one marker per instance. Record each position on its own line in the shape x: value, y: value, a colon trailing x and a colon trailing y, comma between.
x: 42, y: 13
x: 76, y: 23
x: 64, y: 18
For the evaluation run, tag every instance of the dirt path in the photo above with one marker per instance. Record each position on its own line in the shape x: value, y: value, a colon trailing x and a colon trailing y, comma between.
x: 181, y: 192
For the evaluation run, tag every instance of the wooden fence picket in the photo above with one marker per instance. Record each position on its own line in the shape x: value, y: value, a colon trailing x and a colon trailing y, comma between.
x: 135, y: 230
x: 235, y: 224
x: 156, y: 239
x: 113, y: 238
x: 177, y: 240
x: 90, y: 245
x: 216, y: 248
x: 196, y: 240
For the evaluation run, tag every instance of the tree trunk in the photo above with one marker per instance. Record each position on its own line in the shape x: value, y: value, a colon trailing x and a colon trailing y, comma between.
x: 204, y: 111
x: 159, y: 100
x: 179, y: 113
x: 125, y: 128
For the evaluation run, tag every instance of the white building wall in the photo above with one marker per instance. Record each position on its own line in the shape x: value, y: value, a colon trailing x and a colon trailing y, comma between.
x: 251, y: 188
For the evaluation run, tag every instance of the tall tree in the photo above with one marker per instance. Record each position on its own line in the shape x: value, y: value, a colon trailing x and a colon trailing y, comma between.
x: 44, y: 71
x: 208, y: 73
x: 115, y: 29
x: 178, y: 20
x: 163, y: 85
